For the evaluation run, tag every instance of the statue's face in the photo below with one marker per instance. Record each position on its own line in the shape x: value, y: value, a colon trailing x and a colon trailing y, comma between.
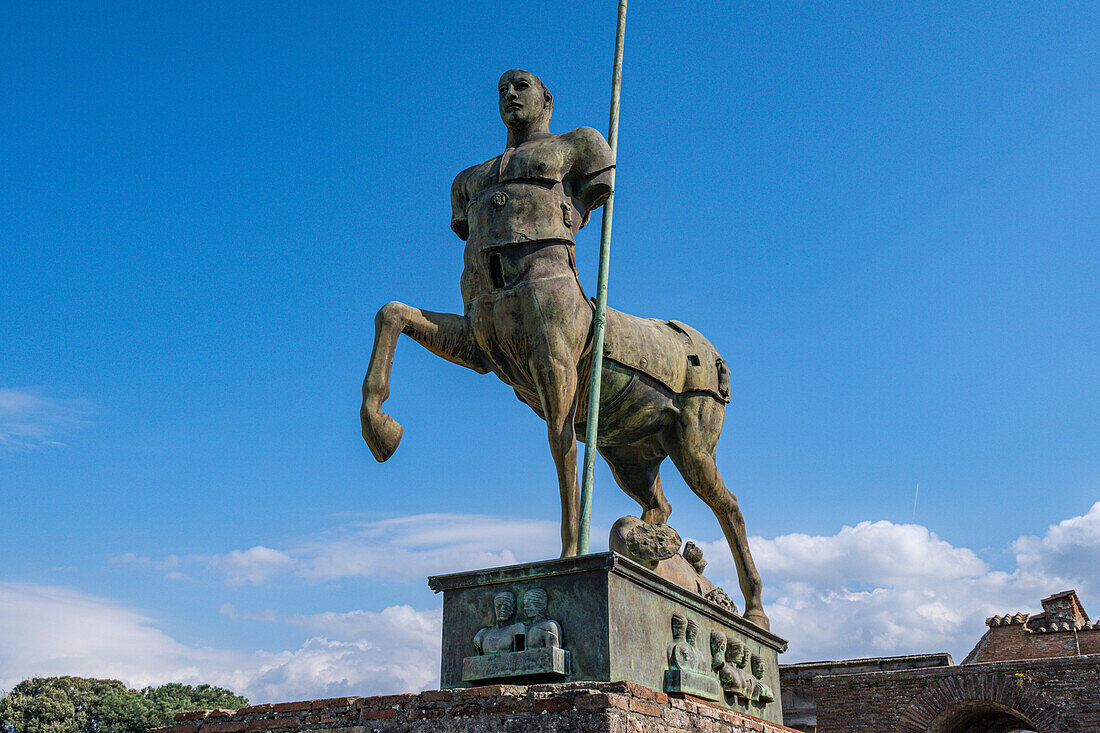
x: 757, y: 665
x: 522, y: 99
x: 505, y: 606
x: 532, y: 606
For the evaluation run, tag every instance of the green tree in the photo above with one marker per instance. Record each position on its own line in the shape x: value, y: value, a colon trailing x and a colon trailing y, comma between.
x: 82, y: 705
x: 167, y: 700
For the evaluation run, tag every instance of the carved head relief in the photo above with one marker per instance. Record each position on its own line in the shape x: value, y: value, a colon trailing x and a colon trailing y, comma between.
x: 504, y: 604
x: 735, y: 652
x: 534, y: 603
x: 692, y: 631
x: 757, y: 666
x: 717, y: 649
x: 679, y: 624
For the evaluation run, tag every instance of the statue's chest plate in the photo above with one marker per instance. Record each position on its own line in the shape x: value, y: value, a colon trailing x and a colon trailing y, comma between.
x: 520, y: 197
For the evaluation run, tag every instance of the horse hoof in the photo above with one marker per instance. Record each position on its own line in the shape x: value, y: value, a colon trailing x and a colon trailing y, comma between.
x: 382, y: 435
x: 758, y: 617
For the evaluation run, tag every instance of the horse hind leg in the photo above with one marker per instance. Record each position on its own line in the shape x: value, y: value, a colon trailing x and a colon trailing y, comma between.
x: 444, y: 334
x: 640, y: 478
x: 691, y: 447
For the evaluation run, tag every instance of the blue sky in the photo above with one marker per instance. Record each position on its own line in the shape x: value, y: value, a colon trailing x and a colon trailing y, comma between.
x: 885, y: 217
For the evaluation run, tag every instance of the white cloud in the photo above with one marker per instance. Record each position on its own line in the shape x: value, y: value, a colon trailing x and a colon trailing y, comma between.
x: 877, y: 588
x: 254, y: 565
x: 58, y: 631
x: 30, y: 419
x: 881, y: 589
x: 1070, y: 547
x: 47, y: 630
x: 404, y: 548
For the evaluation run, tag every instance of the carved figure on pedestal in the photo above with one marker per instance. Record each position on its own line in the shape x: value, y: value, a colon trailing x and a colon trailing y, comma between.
x: 527, y: 319
x: 698, y: 662
x: 541, y: 631
x: 761, y: 692
x: 717, y: 652
x: 502, y: 636
x: 734, y: 679
x: 680, y: 654
x: 688, y: 670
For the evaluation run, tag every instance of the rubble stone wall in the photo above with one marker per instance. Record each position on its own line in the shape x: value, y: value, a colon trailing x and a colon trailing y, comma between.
x: 576, y: 707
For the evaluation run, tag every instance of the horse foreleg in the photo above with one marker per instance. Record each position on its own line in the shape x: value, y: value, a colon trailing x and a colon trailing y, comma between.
x: 557, y: 387
x: 444, y: 334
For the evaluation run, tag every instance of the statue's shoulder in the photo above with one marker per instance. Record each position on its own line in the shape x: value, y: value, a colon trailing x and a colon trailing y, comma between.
x: 471, y: 174
x: 591, y: 153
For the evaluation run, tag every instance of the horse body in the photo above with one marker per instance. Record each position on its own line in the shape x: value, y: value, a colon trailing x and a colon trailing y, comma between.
x: 528, y: 320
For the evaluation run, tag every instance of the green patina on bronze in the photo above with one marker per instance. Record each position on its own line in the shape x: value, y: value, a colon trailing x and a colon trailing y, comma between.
x: 615, y: 620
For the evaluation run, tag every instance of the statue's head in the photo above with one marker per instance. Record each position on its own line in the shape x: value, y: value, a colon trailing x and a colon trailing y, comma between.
x: 534, y: 602
x: 692, y: 630
x: 679, y: 623
x: 525, y: 102
x: 757, y: 666
x: 717, y: 647
x: 504, y: 604
x: 735, y: 652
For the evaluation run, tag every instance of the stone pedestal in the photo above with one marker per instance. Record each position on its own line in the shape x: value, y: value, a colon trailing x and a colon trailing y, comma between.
x: 616, y: 622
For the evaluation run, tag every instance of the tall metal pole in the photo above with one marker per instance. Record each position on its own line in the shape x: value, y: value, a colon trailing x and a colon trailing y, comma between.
x: 599, y: 320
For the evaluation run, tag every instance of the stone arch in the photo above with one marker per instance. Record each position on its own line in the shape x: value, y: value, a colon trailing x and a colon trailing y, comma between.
x: 1001, y: 701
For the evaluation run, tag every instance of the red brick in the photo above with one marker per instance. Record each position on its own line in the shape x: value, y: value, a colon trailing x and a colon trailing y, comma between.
x: 224, y: 726
x: 220, y: 713
x: 182, y: 728
x: 382, y: 714
x: 492, y: 691
x: 426, y: 713
x: 254, y: 709
x: 192, y: 715
x: 466, y: 709
x: 638, y: 691
x: 436, y: 695
x: 645, y: 708
x: 552, y: 704
x: 290, y: 707
x: 272, y: 723
x: 383, y: 701
x: 332, y: 702
x: 508, y: 705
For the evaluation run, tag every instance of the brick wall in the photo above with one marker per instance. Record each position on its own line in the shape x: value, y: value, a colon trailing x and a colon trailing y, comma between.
x: 1055, y: 695
x: 577, y: 707
x: 1001, y: 643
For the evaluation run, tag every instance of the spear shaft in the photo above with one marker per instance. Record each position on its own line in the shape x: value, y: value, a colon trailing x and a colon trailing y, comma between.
x: 599, y: 320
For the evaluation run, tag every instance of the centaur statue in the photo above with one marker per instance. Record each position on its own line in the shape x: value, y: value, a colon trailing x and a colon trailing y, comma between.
x: 664, y: 387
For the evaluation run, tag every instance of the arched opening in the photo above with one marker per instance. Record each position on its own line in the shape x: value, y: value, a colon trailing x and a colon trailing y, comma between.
x: 981, y: 716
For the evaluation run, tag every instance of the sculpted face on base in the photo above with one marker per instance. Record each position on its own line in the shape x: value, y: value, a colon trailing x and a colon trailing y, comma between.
x: 505, y: 606
x: 534, y: 603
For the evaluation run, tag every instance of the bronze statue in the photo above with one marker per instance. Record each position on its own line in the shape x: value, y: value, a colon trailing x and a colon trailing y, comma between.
x: 528, y: 320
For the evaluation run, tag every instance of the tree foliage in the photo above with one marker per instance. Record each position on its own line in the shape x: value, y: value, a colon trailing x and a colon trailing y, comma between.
x: 82, y: 705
